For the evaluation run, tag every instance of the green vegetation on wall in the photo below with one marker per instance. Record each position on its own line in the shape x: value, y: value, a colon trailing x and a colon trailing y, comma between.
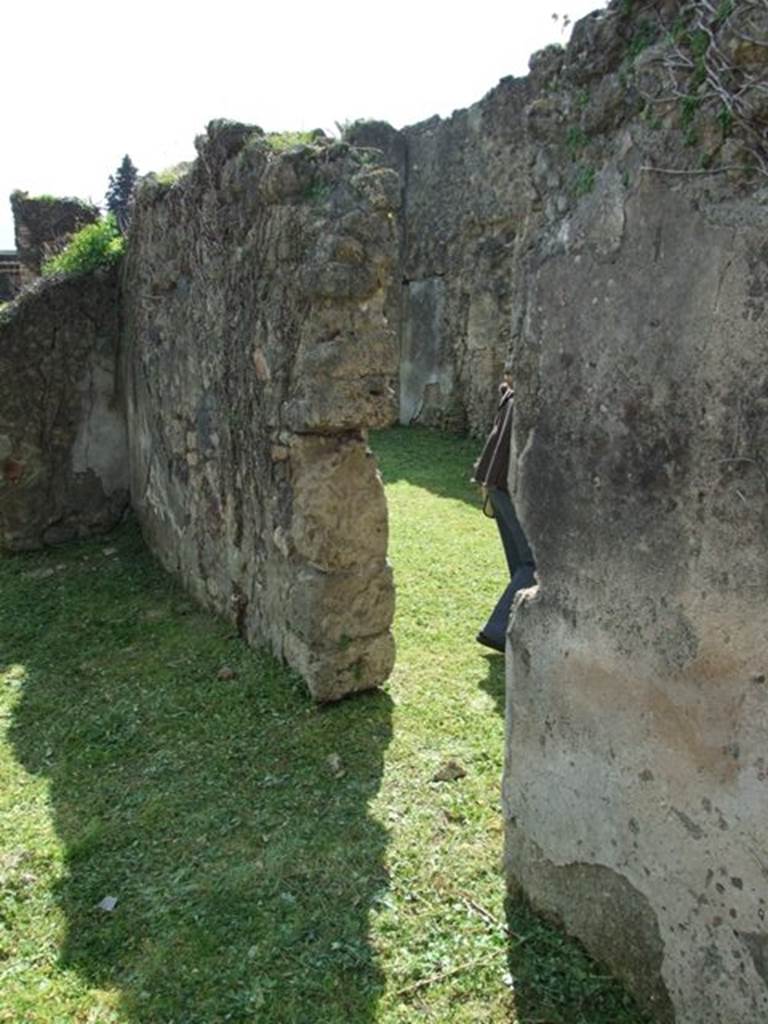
x: 286, y: 140
x: 95, y: 245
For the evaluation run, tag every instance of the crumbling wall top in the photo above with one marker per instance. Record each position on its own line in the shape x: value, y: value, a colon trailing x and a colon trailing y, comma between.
x: 43, y: 226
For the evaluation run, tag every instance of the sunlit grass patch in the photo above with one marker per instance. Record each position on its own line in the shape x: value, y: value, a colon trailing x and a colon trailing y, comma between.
x: 271, y: 861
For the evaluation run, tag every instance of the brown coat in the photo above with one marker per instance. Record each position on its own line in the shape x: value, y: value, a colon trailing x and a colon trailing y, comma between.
x: 492, y: 467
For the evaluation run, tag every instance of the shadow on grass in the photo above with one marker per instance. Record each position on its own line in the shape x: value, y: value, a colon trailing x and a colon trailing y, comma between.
x: 427, y: 458
x: 494, y: 683
x: 229, y: 817
x: 556, y: 981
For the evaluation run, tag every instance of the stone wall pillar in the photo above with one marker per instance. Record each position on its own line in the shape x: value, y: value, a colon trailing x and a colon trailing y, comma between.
x: 259, y: 347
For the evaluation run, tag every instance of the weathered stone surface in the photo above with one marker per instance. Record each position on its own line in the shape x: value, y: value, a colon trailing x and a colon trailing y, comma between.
x: 63, y: 455
x: 10, y: 276
x: 637, y: 696
x: 259, y: 347
x: 43, y: 225
x: 478, y: 186
x: 599, y: 905
x: 466, y: 197
x: 569, y: 219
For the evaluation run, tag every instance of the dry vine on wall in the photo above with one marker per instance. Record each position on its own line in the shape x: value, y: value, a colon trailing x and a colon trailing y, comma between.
x: 715, y: 61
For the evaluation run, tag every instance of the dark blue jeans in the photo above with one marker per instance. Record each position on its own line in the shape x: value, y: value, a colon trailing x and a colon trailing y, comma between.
x: 519, y: 560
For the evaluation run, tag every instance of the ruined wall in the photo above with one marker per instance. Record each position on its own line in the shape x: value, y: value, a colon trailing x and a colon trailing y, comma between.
x: 635, y: 790
x: 466, y: 196
x: 477, y: 188
x: 63, y: 455
x: 467, y: 200
x: 637, y: 681
x: 259, y: 347
x: 10, y: 275
x: 604, y: 221
x: 43, y: 225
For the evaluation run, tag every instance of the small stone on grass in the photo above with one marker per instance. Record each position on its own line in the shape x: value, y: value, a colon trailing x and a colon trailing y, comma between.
x: 153, y: 615
x: 449, y: 772
x: 38, y: 574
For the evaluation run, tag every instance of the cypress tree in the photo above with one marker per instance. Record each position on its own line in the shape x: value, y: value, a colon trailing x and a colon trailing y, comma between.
x: 119, y: 197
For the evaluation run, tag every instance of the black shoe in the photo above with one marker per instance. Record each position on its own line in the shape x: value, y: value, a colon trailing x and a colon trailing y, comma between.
x: 487, y: 641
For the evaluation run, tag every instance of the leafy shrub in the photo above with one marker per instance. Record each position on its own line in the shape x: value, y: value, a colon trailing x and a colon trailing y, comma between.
x: 172, y: 174
x: 286, y: 140
x: 95, y: 245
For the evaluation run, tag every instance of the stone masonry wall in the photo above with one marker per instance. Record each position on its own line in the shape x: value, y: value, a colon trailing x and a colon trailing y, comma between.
x: 10, y: 275
x: 603, y: 224
x: 63, y: 455
x: 466, y: 196
x: 258, y: 349
x: 635, y: 783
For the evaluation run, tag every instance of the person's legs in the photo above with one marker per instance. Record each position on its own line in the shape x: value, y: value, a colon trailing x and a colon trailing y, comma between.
x: 507, y: 538
x: 521, y: 569
x: 494, y: 632
x: 516, y: 547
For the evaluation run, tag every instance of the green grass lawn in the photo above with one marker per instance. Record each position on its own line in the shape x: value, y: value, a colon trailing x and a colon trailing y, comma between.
x: 273, y: 862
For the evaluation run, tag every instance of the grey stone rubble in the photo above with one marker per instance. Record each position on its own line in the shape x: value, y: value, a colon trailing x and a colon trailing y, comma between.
x: 612, y: 242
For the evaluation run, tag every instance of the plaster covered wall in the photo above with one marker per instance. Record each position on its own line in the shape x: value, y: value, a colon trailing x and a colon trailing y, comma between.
x: 63, y: 454
x: 259, y: 346
x: 637, y: 675
x: 635, y: 783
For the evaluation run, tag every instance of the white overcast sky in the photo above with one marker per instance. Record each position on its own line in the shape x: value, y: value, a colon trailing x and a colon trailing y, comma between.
x: 86, y: 81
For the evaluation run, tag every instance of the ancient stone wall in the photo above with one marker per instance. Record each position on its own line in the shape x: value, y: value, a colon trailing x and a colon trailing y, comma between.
x: 635, y: 784
x: 10, y: 275
x: 603, y: 223
x: 635, y: 792
x: 259, y: 347
x: 476, y: 188
x: 43, y: 225
x: 466, y: 195
x: 63, y: 455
